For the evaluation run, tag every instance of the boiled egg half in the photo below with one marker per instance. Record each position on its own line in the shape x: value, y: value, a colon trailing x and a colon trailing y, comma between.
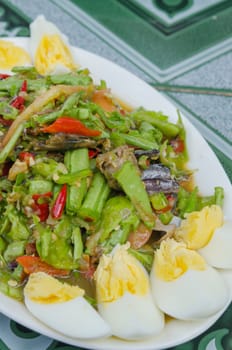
x: 12, y: 55
x: 218, y: 252
x: 210, y: 234
x: 50, y: 49
x: 63, y: 307
x: 124, y: 297
x: 183, y: 285
x: 198, y: 227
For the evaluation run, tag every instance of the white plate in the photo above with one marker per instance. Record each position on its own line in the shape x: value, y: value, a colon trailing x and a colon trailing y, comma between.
x: 209, y: 174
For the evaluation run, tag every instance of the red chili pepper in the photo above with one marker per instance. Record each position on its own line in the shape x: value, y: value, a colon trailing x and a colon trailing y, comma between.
x: 42, y: 210
x: 70, y: 125
x: 25, y: 156
x: 58, y: 207
x: 31, y: 263
x: 41, y: 205
x: 92, y: 153
x: 18, y: 101
x: 38, y: 196
x: 5, y: 122
x: 4, y: 76
x: 24, y: 86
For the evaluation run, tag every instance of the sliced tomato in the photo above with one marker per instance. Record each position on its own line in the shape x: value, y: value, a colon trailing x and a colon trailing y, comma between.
x: 101, y: 98
x: 178, y: 145
x: 31, y: 263
x: 5, y: 122
x: 140, y: 236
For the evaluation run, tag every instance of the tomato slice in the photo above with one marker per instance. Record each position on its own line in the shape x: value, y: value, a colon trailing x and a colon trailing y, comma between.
x: 140, y: 236
x: 101, y: 98
x: 31, y: 263
x: 178, y: 145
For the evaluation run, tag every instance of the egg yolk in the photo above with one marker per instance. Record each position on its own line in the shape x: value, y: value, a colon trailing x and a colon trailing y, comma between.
x: 43, y: 288
x: 51, y: 52
x: 173, y: 259
x: 118, y: 274
x: 12, y: 55
x: 199, y: 226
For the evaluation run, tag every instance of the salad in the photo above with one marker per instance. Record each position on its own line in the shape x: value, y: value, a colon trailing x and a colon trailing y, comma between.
x: 75, y: 160
x: 99, y: 210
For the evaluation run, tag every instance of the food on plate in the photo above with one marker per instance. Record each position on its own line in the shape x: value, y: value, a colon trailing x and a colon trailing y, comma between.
x: 59, y: 305
x: 198, y: 227
x: 217, y: 252
x: 184, y: 286
x: 12, y: 55
x: 95, y: 196
x: 50, y: 49
x: 124, y: 296
x: 208, y: 232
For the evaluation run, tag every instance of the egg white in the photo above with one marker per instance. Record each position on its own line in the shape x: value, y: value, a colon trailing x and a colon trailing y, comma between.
x: 124, y: 296
x: 41, y: 27
x: 132, y: 316
x: 74, y: 318
x: 194, y: 295
x: 218, y: 252
x: 14, y: 55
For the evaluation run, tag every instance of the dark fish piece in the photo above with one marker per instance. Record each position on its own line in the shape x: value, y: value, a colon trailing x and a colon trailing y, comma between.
x: 63, y: 142
x: 161, y: 185
x: 108, y: 163
x: 47, y: 146
x: 154, y: 153
x: 156, y: 171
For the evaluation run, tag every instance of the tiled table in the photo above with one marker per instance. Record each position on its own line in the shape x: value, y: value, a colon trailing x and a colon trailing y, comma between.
x: 181, y: 47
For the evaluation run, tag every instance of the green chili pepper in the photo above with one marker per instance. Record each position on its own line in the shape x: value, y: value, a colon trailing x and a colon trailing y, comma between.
x: 131, y: 183
x: 133, y: 139
x: 158, y: 120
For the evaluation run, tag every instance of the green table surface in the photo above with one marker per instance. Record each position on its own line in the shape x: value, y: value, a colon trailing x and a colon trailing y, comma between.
x: 181, y: 47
